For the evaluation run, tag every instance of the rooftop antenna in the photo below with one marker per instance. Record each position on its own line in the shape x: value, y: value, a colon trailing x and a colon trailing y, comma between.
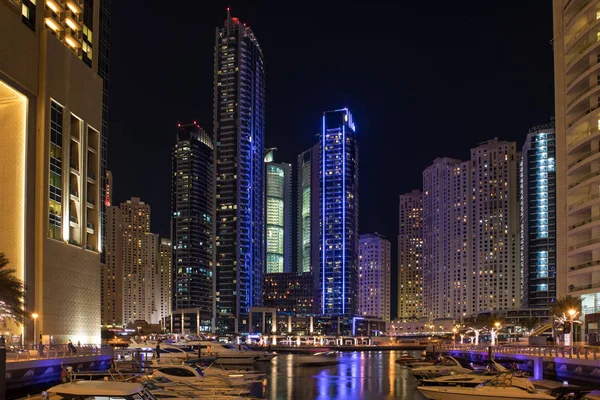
x: 228, y: 14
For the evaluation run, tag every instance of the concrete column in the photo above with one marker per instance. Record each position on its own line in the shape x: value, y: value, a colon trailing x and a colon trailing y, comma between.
x: 274, y: 323
x: 538, y: 368
x: 264, y: 322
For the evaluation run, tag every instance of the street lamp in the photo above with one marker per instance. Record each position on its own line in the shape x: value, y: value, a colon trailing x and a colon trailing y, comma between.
x: 454, y: 336
x: 572, y: 314
x: 35, y: 317
x: 497, y: 325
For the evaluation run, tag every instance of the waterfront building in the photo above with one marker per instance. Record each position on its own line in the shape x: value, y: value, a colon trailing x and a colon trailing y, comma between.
x: 193, y: 223
x: 278, y: 186
x: 164, y: 297
x: 538, y: 218
x: 53, y: 91
x: 576, y: 60
x: 410, y: 257
x: 112, y: 271
x: 374, y: 276
x: 339, y: 215
x: 471, y: 233
x: 239, y: 132
x: 290, y: 293
x: 309, y: 179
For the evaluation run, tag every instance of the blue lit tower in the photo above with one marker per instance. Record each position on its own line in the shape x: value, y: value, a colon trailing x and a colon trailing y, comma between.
x: 538, y: 222
x: 339, y: 214
x: 239, y: 126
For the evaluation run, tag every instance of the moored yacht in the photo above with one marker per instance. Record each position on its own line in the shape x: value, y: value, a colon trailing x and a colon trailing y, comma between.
x: 98, y: 390
x: 446, y: 366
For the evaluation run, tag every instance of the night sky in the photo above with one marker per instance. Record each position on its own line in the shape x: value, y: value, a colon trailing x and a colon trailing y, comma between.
x: 423, y: 80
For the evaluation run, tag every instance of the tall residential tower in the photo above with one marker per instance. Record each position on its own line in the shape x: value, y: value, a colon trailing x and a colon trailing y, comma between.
x: 410, y: 256
x: 239, y: 131
x: 339, y: 214
x: 309, y: 179
x: 538, y: 218
x: 192, y: 223
x: 374, y: 276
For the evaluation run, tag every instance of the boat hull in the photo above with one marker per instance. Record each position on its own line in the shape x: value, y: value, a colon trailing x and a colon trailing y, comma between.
x: 498, y: 393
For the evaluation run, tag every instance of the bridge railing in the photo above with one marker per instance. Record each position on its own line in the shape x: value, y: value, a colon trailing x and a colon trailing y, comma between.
x: 36, y: 352
x: 583, y: 352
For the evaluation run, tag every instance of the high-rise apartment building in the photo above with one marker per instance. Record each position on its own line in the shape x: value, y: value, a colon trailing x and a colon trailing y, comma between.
x: 576, y: 58
x: 164, y: 297
x: 471, y: 233
x: 140, y: 258
x: 374, y: 276
x: 239, y: 127
x: 192, y: 222
x: 308, y: 228
x: 112, y: 270
x: 51, y: 90
x: 538, y: 218
x: 290, y: 293
x: 278, y: 184
x: 447, y: 241
x: 339, y: 214
x: 410, y: 257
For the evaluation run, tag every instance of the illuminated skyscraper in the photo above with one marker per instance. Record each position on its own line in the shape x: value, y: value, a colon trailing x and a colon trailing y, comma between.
x: 339, y: 214
x: 374, y: 276
x: 576, y: 62
x: 52, y: 91
x: 309, y: 180
x: 192, y: 222
x: 410, y: 256
x: 538, y: 218
x: 239, y: 126
x: 165, y: 279
x: 278, y: 215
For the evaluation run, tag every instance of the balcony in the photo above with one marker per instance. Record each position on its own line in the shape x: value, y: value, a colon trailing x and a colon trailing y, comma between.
x: 74, y: 193
x: 573, y: 288
x: 585, y: 243
x: 583, y: 179
x: 582, y: 114
x: 90, y: 227
x: 583, y: 94
x: 580, y: 33
x: 74, y: 6
x: 582, y: 139
x: 583, y: 201
x: 570, y: 15
x: 583, y: 222
x: 585, y: 265
x: 91, y: 201
x: 587, y: 157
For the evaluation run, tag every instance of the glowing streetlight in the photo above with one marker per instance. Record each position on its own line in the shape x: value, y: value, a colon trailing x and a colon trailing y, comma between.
x: 35, y: 317
x: 454, y: 336
x: 572, y: 314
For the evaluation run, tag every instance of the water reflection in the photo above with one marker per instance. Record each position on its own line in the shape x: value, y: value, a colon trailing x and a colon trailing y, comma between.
x: 360, y: 375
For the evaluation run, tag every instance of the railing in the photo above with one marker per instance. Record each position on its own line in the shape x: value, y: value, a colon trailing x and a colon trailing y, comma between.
x: 581, y: 94
x: 584, y: 243
x: 578, y: 351
x: 585, y: 265
x: 576, y: 11
x: 584, y: 200
x: 584, y: 221
x: 583, y: 157
x: 582, y: 114
x: 45, y: 352
x: 573, y: 288
x: 578, y: 140
x: 584, y: 178
x: 577, y: 35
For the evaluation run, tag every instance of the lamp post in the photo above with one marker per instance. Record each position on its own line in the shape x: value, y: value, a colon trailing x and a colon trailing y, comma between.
x: 572, y: 314
x: 497, y: 325
x: 454, y: 336
x: 35, y: 317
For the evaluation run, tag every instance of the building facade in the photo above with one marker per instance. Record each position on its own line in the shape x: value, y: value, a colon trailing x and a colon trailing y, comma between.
x: 538, y: 218
x: 290, y: 293
x: 576, y: 57
x: 410, y: 257
x: 164, y: 295
x: 140, y: 259
x: 54, y: 145
x: 193, y: 223
x: 239, y: 131
x: 338, y: 272
x: 308, y: 215
x: 374, y: 276
x: 278, y: 184
x: 112, y: 270
x: 471, y: 233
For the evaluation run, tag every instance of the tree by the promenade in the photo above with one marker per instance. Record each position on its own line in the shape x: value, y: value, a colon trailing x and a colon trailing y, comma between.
x: 562, y: 305
x: 12, y: 294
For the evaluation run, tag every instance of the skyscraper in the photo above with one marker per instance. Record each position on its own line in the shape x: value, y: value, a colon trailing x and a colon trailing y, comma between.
x: 53, y: 143
x: 576, y: 58
x: 410, y: 256
x: 339, y: 214
x: 278, y: 185
x: 112, y: 270
x: 538, y: 218
x: 140, y: 259
x: 309, y: 180
x: 471, y: 233
x: 192, y: 222
x: 164, y: 297
x: 239, y: 123
x: 374, y: 276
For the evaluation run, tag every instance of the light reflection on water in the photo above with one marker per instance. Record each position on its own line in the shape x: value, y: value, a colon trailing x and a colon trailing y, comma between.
x: 360, y: 375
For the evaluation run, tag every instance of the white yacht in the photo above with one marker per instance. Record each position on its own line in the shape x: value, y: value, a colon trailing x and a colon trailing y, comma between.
x: 228, y: 354
x: 189, y: 373
x: 502, y: 387
x: 98, y: 390
x: 469, y: 380
x: 446, y: 366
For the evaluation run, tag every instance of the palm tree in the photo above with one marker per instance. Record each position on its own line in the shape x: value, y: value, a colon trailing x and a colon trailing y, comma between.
x: 562, y: 305
x: 12, y: 294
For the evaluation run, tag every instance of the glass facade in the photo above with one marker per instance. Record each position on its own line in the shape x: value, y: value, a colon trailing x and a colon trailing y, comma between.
x: 55, y: 192
x: 239, y: 118
x: 339, y: 214
x: 538, y: 223
x: 278, y: 222
x: 192, y: 222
